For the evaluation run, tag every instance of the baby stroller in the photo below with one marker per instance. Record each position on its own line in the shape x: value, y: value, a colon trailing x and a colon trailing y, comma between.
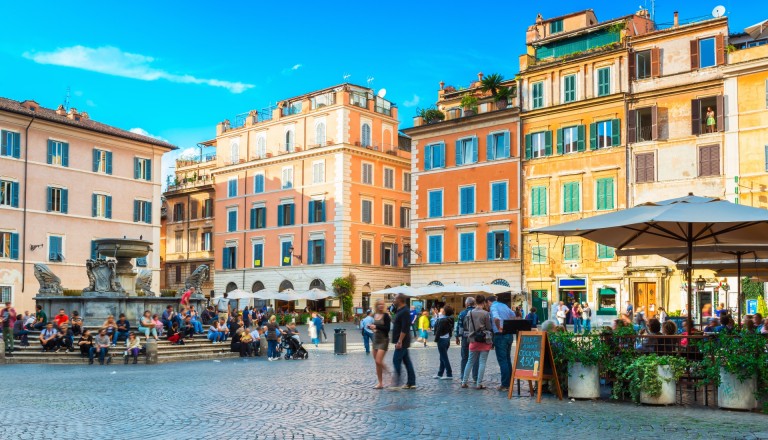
x: 293, y: 347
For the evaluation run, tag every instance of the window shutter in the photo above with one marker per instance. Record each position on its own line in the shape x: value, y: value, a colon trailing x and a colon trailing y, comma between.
x: 632, y: 72
x: 14, y: 246
x: 136, y: 210
x: 94, y: 205
x: 439, y: 249
x: 489, y: 245
x: 720, y: 103
x: 529, y: 147
x: 225, y: 258
x: 402, y: 209
x: 475, y: 147
x: 459, y: 156
x: 321, y: 245
x: 615, y: 132
x: 655, y: 63
x: 427, y: 158
x: 108, y: 200
x: 311, y: 248
x: 543, y: 200
x: 64, y: 201
x: 109, y: 162
x: 395, y: 259
x: 489, y: 148
x: 654, y: 123
x: 593, y: 136
x: 609, y: 197
x: 280, y: 214
x: 720, y: 49
x: 65, y: 154
x: 5, y: 147
x: 311, y: 218
x: 694, y: 54
x: 631, y: 126
x: 16, y: 145
x: 148, y: 212
x: 442, y: 155
x: 253, y: 218
x: 96, y: 157
x: 640, y: 168
x: 49, y: 199
x: 559, y: 141
x: 494, y: 197
x: 49, y: 156
x: 548, y: 143
x: 136, y: 169
x: 506, y: 245
x: 580, y: 144
x: 381, y: 254
x: 601, y: 194
x: 507, y: 153
x: 291, y: 211
x: 714, y: 160
x: 322, y: 210
x: 695, y: 117
x: 14, y: 194
x: 575, y: 197
x: 471, y: 200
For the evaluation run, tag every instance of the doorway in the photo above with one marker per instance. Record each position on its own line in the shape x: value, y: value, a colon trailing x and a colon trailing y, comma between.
x: 540, y: 300
x: 645, y: 297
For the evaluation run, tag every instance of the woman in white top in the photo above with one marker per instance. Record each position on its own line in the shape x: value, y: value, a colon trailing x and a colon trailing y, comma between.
x: 132, y: 348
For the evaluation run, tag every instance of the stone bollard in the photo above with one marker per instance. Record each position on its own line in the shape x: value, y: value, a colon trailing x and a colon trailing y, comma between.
x: 2, y: 351
x: 151, y: 348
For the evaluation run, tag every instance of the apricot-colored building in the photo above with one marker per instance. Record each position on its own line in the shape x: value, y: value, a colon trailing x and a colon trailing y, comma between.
x: 465, y: 226
x: 66, y: 180
x: 314, y: 189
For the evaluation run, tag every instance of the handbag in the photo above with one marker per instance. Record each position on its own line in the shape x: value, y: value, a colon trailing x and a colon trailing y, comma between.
x: 477, y: 336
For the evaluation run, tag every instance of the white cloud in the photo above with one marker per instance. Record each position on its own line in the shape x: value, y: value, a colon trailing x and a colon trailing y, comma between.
x: 113, y: 61
x: 412, y: 102
x: 189, y: 153
x: 296, y: 67
x: 292, y: 69
x: 141, y: 131
x: 90, y: 103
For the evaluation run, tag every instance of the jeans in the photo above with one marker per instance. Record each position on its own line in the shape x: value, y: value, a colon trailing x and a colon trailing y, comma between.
x: 103, y: 352
x: 8, y: 339
x: 401, y: 357
x: 503, y: 346
x: 118, y: 335
x: 198, y: 326
x: 91, y: 353
x: 481, y: 357
x: 148, y: 330
x: 214, y: 336
x: 271, y: 349
x: 415, y: 327
x: 22, y: 335
x: 577, y: 325
x: 587, y: 325
x: 465, y: 358
x: 367, y: 341
x: 445, y: 364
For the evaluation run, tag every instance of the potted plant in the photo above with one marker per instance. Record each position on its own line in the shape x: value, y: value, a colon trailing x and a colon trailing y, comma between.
x: 502, y: 97
x: 491, y: 83
x: 469, y: 104
x: 582, y: 354
x: 430, y: 115
x: 652, y: 379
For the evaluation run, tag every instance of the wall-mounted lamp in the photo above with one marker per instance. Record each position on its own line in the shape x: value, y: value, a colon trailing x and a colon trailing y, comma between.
x: 290, y: 251
x: 701, y: 283
x: 32, y: 247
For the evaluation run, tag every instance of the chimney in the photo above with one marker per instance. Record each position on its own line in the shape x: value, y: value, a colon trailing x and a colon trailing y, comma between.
x: 60, y: 111
x: 676, y: 21
x: 72, y: 114
x: 442, y: 85
x: 84, y: 115
x: 480, y: 76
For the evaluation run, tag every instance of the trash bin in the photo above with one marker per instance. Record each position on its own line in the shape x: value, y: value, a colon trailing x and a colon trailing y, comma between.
x: 340, y: 341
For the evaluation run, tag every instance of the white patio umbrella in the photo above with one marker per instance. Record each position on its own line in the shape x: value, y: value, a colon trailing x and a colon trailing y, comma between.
x: 239, y: 294
x: 405, y: 290
x: 682, y: 222
x: 316, y: 294
x: 265, y: 294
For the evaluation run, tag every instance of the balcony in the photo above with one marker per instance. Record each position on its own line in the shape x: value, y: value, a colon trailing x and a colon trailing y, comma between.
x: 189, y: 182
x: 181, y: 163
x: 393, y: 150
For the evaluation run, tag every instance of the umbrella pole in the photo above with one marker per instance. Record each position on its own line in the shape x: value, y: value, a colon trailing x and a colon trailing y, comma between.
x: 690, y: 267
x: 738, y: 284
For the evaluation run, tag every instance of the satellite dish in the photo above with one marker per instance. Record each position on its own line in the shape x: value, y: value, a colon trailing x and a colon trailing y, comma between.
x: 718, y: 12
x: 382, y: 93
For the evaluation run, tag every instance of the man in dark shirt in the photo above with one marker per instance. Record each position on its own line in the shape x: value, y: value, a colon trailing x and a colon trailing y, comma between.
x: 123, y: 328
x: 401, y: 337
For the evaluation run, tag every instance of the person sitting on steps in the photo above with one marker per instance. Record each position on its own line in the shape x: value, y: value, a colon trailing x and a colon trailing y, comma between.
x: 122, y: 330
x: 87, y: 348
x: 48, y: 337
x: 174, y: 335
x: 132, y: 348
x: 102, y: 344
x: 65, y: 339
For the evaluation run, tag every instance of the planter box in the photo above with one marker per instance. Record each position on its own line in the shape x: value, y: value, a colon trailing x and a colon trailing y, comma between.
x: 583, y: 381
x: 668, y: 387
x: 333, y: 319
x: 733, y: 394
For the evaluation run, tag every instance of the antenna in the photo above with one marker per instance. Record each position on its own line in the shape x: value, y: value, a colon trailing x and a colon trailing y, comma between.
x: 382, y: 93
x: 66, y: 100
x: 370, y: 80
x: 718, y: 12
x: 346, y: 76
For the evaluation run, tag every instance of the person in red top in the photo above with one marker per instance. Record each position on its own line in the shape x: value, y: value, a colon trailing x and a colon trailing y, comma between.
x: 61, y: 318
x: 7, y: 320
x: 186, y: 296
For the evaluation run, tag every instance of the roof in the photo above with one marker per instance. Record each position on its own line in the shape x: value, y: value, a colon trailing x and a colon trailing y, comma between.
x: 584, y: 30
x: 583, y: 11
x: 85, y: 123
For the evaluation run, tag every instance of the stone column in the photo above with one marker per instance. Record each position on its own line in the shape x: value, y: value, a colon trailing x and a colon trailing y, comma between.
x: 2, y: 351
x: 151, y: 348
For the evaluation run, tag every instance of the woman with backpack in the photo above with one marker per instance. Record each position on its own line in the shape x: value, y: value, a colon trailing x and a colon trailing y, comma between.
x: 478, y: 323
x: 443, y: 332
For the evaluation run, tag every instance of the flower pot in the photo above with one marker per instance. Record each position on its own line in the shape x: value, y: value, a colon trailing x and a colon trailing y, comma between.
x: 668, y: 387
x: 733, y: 394
x: 501, y: 104
x: 583, y: 381
x: 469, y: 112
x: 333, y: 319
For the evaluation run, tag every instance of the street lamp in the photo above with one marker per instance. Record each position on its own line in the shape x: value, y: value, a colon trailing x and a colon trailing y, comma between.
x: 724, y: 285
x: 701, y: 283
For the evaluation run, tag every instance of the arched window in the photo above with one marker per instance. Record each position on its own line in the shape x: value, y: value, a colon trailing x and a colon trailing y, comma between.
x: 365, y: 135
x: 289, y: 140
x: 285, y: 285
x: 234, y: 150
x: 258, y: 285
x: 231, y: 287
x: 320, y: 133
x: 435, y: 283
x: 317, y: 284
x: 261, y: 147
x: 500, y: 282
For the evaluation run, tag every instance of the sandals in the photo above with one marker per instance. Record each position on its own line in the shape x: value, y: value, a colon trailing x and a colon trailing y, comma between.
x: 480, y: 387
x: 378, y: 387
x: 464, y: 385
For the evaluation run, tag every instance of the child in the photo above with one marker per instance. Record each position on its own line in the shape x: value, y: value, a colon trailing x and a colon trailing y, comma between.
x: 174, y: 336
x: 424, y: 326
x: 132, y: 348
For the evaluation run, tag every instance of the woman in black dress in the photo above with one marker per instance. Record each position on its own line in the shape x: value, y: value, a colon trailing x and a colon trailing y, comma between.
x: 380, y: 327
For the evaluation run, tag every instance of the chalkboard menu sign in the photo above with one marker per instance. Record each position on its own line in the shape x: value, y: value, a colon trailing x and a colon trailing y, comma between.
x: 534, y: 362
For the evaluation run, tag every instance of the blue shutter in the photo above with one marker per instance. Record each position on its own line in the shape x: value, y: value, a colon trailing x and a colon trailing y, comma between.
x: 49, y: 156
x: 292, y: 209
x: 285, y: 254
x: 321, y: 245
x: 253, y: 218
x: 54, y: 248
x: 14, y: 246
x: 439, y: 247
x: 225, y: 258
x: 5, y: 147
x: 322, y: 210
x: 148, y: 170
x: 136, y: 168
x: 64, y: 201
x: 108, y: 200
x: 311, y: 247
x: 507, y: 152
x: 441, y: 149
x: 65, y: 154
x: 489, y: 148
x: 15, y: 194
x: 96, y: 155
x: 428, y: 157
x: 259, y: 187
x: 459, y: 157
x: 494, y: 197
x: 148, y: 212
x: 311, y: 217
x: 136, y: 210
x: 49, y: 204
x: 109, y: 162
x: 258, y: 255
x: 490, y: 245
x: 16, y: 145
x: 94, y: 255
x: 280, y: 214
x: 474, y: 149
x: 506, y: 245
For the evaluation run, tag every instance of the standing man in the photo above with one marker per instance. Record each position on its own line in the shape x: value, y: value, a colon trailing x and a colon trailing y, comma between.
x: 464, y: 334
x: 401, y: 337
x: 8, y: 319
x: 223, y: 306
x: 414, y: 321
x: 502, y: 343
x: 629, y: 310
x: 367, y: 332
x: 562, y: 313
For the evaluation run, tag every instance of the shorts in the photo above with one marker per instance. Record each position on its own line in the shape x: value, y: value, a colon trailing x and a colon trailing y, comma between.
x: 424, y: 334
x: 224, y: 315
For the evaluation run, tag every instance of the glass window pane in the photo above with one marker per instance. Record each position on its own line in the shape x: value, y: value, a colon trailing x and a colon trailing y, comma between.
x: 707, y: 52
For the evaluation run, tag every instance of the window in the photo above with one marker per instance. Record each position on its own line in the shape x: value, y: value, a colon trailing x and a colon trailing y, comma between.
x: 287, y: 177
x: 55, y: 248
x: 193, y: 240
x: 316, y: 252
x: 286, y: 214
x: 323, y: 100
x: 258, y: 184
x: 5, y: 294
x: 497, y: 146
x: 286, y: 253
x: 604, y: 81
x: 177, y: 276
x: 366, y: 214
x: 605, y: 194
x: 318, y: 172
x: 316, y: 211
x: 142, y: 211
x: 231, y: 219
x: 383, y: 106
x: 555, y: 26
x: 499, y: 196
x: 178, y: 212
x: 230, y: 258
x: 645, y: 121
x: 707, y: 115
x: 498, y: 245
x: 367, y: 173
x: 709, y: 160
x: 261, y: 146
x: 570, y: 139
x: 258, y: 217
x: 466, y: 151
x: 193, y: 205
x: 258, y: 255
x: 407, y: 182
x: 434, y: 156
x: 605, y: 252
x: 58, y: 153
x: 389, y: 214
x: 289, y: 140
x: 571, y: 197
x: 435, y: 203
x: 406, y: 254
x: 405, y: 217
x: 539, y: 200
x: 9, y: 245
x: 57, y: 199
x: 234, y: 150
x: 569, y: 88
x: 320, y: 133
x: 389, y: 254
x: 467, y: 246
x: 643, y: 64
x: 101, y: 206
x: 538, y: 144
x: 178, y: 242
x: 707, y: 52
x: 208, y: 208
x: 358, y: 99
x: 232, y: 187
x: 102, y: 161
x: 605, y: 134
x: 366, y: 251
x: 389, y: 178
x: 142, y: 169
x: 9, y: 193
x: 644, y: 168
x: 365, y: 135
x: 10, y: 144
x: 207, y: 241
x: 571, y: 252
x: 539, y: 255
x: 537, y: 93
x: 435, y: 249
x: 466, y: 200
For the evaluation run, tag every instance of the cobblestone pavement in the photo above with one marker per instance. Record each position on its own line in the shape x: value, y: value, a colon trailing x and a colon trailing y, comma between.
x: 324, y: 397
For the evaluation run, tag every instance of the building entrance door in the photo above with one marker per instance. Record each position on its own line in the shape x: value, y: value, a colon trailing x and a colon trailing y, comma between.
x: 645, y: 297
x: 540, y: 300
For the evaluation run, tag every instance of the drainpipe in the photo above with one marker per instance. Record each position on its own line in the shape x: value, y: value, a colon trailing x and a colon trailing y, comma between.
x: 24, y: 221
x: 520, y: 189
x: 301, y: 233
x: 627, y: 155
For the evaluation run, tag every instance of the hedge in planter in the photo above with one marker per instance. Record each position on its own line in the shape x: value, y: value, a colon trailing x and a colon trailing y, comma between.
x: 575, y: 353
x: 642, y: 374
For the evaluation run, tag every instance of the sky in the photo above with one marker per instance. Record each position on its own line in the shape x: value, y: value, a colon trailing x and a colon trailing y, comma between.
x: 173, y: 70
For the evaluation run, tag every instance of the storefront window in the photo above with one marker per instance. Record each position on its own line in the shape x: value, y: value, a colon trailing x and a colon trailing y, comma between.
x: 606, y: 301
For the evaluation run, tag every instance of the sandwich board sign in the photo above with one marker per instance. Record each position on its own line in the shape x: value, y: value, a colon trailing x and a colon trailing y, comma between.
x: 534, y: 363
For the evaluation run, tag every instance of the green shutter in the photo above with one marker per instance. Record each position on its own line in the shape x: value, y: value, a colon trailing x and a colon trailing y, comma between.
x: 14, y: 194
x: 310, y: 247
x: 148, y: 170
x: 136, y: 210
x: 559, y: 141
x: 49, y: 155
x: 136, y: 168
x: 148, y: 212
x: 548, y: 143
x: 96, y: 156
x: 49, y: 199
x: 64, y: 200
x: 593, y: 136
x: 580, y: 144
x: 280, y: 214
x: 528, y: 146
x: 14, y: 246
x: 615, y: 132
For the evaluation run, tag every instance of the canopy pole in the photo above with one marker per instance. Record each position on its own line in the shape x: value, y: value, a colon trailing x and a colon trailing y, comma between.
x: 738, y: 284
x: 690, y: 268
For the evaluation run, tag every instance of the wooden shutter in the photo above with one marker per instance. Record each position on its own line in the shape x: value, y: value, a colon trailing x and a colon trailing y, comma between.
x: 475, y: 147
x: 459, y: 155
x: 593, y: 136
x: 695, y: 117
x: 507, y: 152
x: 506, y: 245
x: 632, y: 126
x: 136, y: 170
x: 694, y: 54
x: 427, y: 158
x: 49, y: 155
x: 654, y: 123
x: 108, y: 208
x: 720, y: 49
x: 96, y: 156
x: 529, y: 147
x: 580, y: 144
x: 64, y: 200
x: 109, y: 162
x: 615, y: 132
x: 548, y: 143
x: 49, y: 199
x: 15, y: 194
x: 632, y: 70
x: 65, y: 154
x: 720, y: 104
x: 559, y: 141
x: 655, y: 63
x: 94, y: 204
x: 280, y: 214
x: 489, y: 148
x: 253, y: 218
x: 639, y: 168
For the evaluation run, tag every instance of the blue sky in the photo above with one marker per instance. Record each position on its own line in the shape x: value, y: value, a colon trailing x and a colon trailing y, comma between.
x: 174, y: 70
